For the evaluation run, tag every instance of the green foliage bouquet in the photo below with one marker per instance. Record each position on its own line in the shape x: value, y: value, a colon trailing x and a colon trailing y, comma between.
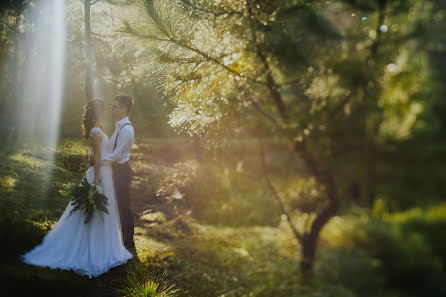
x: 88, y: 198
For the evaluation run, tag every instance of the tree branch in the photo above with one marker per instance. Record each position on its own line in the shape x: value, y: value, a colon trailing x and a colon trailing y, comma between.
x: 215, y: 60
x: 270, y: 82
x: 262, y: 111
x: 130, y: 31
x: 212, y: 12
x: 10, y: 27
x: 290, y: 82
x: 324, y: 177
x: 207, y: 56
x: 276, y: 194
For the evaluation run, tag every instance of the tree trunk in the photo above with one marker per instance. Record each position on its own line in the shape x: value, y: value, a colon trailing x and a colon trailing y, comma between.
x: 88, y: 83
x: 323, y: 176
x: 372, y: 177
x: 16, y: 38
x: 309, y: 245
x: 309, y: 240
x: 15, y: 92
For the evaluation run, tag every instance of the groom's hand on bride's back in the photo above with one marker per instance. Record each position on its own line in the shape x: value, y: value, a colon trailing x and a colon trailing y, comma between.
x: 91, y: 160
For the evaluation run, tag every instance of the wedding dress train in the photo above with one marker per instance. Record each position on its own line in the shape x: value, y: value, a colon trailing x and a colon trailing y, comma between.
x: 88, y: 249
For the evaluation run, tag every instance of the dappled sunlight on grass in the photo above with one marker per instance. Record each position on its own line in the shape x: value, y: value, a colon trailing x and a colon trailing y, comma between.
x: 219, y: 257
x: 45, y: 224
x: 149, y: 248
x: 28, y: 159
x: 74, y: 146
x: 157, y: 217
x: 235, y: 256
x: 23, y: 174
x: 7, y: 184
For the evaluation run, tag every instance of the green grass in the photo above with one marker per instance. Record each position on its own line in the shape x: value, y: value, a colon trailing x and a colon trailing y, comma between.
x: 232, y: 243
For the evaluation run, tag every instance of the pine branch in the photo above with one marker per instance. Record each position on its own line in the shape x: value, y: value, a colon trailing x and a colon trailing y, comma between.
x: 128, y: 29
x: 151, y: 12
x: 189, y: 47
x: 184, y: 79
x: 208, y: 11
x: 167, y: 58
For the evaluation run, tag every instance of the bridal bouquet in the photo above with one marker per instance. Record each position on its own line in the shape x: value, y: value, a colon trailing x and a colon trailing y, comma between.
x: 88, y: 198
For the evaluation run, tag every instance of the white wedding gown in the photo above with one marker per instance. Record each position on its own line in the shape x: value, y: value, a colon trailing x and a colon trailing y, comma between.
x: 88, y: 249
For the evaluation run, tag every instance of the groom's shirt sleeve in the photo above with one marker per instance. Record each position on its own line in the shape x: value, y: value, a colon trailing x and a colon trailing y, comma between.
x: 123, y: 147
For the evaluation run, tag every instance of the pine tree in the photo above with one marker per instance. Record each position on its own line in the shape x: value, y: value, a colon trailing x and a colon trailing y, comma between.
x: 314, y: 71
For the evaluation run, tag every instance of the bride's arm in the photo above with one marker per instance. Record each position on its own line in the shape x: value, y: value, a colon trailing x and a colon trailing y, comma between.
x: 96, y: 142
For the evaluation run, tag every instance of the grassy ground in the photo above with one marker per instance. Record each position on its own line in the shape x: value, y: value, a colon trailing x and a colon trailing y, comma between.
x: 202, y: 258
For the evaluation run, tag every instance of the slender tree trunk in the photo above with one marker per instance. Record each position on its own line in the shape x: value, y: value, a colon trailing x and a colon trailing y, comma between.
x: 309, y: 240
x: 16, y: 38
x: 14, y: 92
x: 309, y: 245
x: 88, y: 83
x: 371, y: 179
x: 323, y: 176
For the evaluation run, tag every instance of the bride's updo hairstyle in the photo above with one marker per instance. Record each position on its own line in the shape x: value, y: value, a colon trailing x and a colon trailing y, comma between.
x: 92, y: 110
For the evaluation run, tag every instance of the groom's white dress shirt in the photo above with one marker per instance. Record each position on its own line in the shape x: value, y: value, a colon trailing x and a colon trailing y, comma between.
x: 125, y: 142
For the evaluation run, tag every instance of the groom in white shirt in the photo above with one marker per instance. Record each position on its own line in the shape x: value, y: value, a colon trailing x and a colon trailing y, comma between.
x: 122, y: 140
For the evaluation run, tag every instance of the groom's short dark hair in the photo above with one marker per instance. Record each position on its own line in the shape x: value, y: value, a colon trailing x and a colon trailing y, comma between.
x: 124, y: 101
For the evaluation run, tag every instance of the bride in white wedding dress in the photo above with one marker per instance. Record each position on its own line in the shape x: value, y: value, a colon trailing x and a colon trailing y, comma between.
x: 93, y: 248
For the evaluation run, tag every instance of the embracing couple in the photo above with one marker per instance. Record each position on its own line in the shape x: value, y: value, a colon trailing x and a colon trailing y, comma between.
x: 93, y: 248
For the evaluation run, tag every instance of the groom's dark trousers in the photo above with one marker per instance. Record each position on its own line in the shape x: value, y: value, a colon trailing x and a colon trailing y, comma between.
x: 122, y: 177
